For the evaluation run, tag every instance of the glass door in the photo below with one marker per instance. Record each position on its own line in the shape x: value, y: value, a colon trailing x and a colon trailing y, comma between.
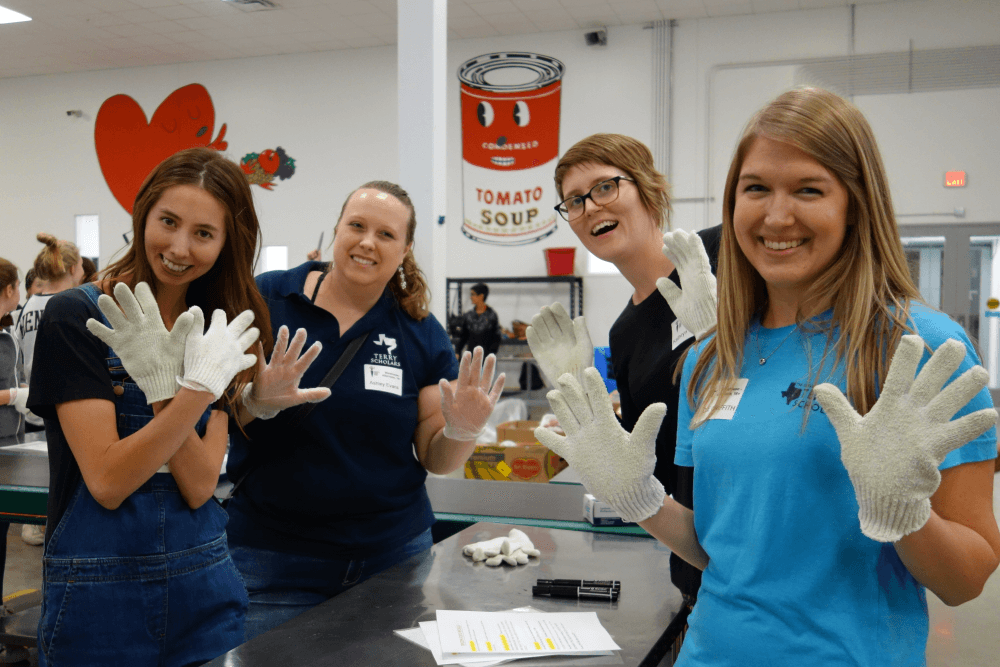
x: 957, y: 269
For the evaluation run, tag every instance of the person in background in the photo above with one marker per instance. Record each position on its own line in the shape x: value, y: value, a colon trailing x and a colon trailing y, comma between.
x: 136, y: 567
x: 840, y: 430
x: 329, y: 499
x: 31, y: 286
x: 13, y: 391
x: 89, y: 270
x: 618, y: 205
x: 57, y: 267
x: 480, y: 325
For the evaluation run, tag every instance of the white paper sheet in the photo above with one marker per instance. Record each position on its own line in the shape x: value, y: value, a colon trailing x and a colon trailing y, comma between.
x: 505, y: 633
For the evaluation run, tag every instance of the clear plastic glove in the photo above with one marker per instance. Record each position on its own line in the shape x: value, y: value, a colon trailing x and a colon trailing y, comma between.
x: 892, y: 454
x: 19, y: 399
x: 213, y: 358
x: 559, y: 344
x: 276, y: 386
x: 695, y: 306
x: 469, y: 406
x: 152, y: 356
x: 613, y: 464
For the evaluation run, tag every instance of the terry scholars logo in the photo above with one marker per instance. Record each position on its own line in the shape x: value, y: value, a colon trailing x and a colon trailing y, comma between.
x: 386, y: 359
x: 799, y: 396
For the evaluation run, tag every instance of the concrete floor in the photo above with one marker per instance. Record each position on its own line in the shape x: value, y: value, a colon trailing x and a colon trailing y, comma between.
x: 965, y: 636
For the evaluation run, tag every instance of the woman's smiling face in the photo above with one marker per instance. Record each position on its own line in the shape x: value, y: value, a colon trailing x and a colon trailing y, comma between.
x: 370, y: 240
x: 611, y: 232
x: 185, y: 232
x: 790, y: 217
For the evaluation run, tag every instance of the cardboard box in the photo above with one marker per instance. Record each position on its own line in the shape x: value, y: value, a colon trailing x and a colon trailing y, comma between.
x: 523, y: 463
x: 601, y: 514
x: 522, y: 431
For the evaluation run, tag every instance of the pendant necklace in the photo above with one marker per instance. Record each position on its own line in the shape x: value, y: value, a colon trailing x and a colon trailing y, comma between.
x: 763, y: 360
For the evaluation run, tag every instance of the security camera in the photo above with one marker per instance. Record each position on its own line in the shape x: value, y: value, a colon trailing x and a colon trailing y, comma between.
x: 74, y: 112
x: 596, y: 38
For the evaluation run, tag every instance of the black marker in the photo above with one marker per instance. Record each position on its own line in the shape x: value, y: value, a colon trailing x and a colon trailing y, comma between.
x: 585, y: 583
x: 575, y: 593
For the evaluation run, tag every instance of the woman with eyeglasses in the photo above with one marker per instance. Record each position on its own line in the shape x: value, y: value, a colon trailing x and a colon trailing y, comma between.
x: 840, y: 431
x: 618, y: 205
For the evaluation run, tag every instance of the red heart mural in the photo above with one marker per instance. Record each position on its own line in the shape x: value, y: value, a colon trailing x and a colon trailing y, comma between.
x: 128, y: 147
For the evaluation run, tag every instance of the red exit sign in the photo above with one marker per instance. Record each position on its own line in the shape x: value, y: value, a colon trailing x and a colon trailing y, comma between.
x: 954, y: 179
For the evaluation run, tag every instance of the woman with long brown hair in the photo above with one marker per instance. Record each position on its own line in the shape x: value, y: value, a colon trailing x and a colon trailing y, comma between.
x: 331, y: 498
x: 136, y: 564
x: 818, y: 529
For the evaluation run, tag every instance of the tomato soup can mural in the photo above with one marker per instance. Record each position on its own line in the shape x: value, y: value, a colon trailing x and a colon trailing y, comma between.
x: 510, y: 142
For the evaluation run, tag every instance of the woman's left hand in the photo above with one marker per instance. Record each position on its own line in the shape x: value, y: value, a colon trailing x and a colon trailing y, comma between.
x: 276, y: 386
x: 467, y: 408
x: 892, y: 454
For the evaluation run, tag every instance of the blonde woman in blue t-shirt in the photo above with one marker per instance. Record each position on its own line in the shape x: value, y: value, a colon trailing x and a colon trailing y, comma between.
x: 819, y: 520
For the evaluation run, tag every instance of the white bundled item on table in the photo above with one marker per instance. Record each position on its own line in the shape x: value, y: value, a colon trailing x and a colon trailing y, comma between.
x: 514, y: 549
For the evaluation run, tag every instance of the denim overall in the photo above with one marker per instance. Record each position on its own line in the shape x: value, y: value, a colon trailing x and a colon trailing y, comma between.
x: 149, y: 583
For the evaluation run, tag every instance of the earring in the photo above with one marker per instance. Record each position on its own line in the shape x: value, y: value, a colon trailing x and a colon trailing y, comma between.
x: 402, y: 277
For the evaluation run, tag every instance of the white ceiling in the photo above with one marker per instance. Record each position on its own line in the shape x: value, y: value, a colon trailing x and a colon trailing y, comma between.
x: 81, y: 35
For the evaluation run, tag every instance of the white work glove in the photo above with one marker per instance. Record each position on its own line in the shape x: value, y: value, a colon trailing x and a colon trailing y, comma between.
x: 19, y: 399
x: 892, y: 454
x: 615, y: 466
x: 469, y: 406
x: 514, y: 549
x: 213, y: 358
x: 276, y: 386
x: 695, y: 306
x: 151, y: 355
x: 559, y: 344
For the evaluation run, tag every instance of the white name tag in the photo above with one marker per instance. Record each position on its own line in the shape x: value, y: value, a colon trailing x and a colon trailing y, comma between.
x: 681, y: 334
x: 384, y: 378
x: 728, y: 409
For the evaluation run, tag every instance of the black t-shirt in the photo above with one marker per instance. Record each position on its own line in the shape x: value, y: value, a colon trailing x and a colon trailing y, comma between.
x: 482, y: 330
x: 644, y: 359
x: 70, y: 364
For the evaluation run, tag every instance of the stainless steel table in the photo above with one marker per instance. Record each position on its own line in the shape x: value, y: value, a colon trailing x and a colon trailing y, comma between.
x: 24, y: 480
x: 355, y: 628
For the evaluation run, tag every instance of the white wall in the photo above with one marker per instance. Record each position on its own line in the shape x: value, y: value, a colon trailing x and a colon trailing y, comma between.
x: 335, y: 113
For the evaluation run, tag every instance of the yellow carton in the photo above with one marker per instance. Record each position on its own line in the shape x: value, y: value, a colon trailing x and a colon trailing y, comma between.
x: 524, y: 463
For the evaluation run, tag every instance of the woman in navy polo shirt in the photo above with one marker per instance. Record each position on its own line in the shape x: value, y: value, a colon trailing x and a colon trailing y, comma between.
x: 330, y: 499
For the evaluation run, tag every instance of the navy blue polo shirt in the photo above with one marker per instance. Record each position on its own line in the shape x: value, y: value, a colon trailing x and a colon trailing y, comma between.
x: 346, y: 480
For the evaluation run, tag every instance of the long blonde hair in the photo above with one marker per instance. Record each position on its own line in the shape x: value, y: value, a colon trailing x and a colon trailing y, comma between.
x: 868, y: 283
x: 57, y: 258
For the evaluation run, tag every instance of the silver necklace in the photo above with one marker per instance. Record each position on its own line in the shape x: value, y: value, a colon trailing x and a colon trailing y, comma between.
x: 763, y: 360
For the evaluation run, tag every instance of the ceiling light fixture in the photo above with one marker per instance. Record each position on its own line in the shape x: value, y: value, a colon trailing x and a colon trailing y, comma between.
x: 10, y: 16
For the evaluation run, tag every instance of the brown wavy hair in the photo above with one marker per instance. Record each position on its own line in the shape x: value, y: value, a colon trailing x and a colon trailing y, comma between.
x: 229, y: 285
x: 631, y: 156
x: 56, y: 259
x: 868, y: 284
x: 415, y: 298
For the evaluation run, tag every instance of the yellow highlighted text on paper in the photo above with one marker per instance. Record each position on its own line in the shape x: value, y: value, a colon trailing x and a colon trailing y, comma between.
x: 472, y: 645
x: 506, y: 644
x: 489, y: 646
x: 548, y: 640
x: 538, y: 647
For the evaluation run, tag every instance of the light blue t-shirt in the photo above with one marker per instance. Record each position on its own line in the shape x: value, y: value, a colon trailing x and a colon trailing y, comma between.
x: 791, y: 579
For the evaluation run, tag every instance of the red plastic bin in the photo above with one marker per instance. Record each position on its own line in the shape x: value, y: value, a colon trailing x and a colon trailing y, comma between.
x: 559, y: 261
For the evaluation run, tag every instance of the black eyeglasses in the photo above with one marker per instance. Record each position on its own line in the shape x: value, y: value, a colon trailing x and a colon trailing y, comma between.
x: 601, y: 194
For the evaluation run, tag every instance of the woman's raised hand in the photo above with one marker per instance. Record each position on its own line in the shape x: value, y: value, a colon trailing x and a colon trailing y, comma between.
x: 153, y: 356
x: 276, y: 385
x: 559, y: 344
x: 695, y: 306
x: 892, y: 454
x: 615, y: 465
x: 213, y: 358
x: 467, y: 408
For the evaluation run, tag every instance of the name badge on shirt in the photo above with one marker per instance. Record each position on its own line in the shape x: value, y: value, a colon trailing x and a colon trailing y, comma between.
x: 728, y: 409
x: 681, y: 333
x: 384, y: 378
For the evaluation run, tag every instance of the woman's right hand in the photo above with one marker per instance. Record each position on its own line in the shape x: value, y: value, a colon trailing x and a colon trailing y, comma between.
x: 276, y: 385
x: 559, y: 344
x: 615, y: 465
x: 152, y: 356
x: 213, y: 358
